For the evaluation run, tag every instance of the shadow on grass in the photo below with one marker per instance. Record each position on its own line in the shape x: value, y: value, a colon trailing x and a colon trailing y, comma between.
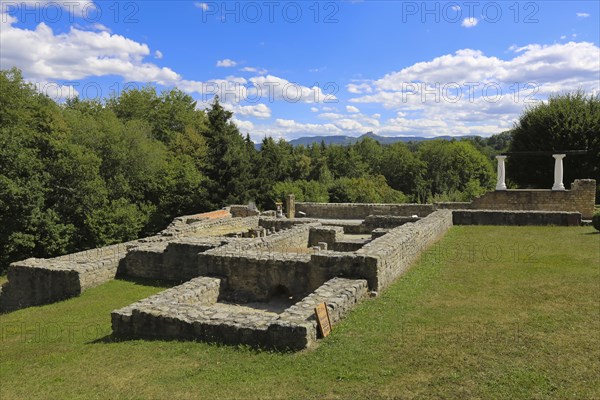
x: 113, y: 339
x: 149, y: 282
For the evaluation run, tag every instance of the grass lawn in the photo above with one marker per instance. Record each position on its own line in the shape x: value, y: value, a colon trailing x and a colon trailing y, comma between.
x: 489, y: 312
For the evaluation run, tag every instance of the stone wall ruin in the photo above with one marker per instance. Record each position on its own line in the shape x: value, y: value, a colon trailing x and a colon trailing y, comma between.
x: 243, y: 278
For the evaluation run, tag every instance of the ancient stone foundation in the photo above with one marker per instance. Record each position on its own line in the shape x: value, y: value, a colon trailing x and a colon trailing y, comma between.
x: 518, y: 218
x: 262, y: 291
x: 579, y: 199
x: 361, y: 211
x: 192, y: 311
x: 40, y: 281
x: 243, y: 278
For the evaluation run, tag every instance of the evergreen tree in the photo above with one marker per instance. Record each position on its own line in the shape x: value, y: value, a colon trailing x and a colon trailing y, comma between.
x: 228, y: 168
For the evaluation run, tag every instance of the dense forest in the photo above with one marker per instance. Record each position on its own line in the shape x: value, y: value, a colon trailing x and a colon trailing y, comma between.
x: 83, y: 174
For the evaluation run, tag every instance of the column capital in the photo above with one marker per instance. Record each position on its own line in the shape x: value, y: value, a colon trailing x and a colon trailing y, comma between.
x: 559, y: 156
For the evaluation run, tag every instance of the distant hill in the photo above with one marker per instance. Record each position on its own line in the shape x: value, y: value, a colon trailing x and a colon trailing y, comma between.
x: 345, y: 140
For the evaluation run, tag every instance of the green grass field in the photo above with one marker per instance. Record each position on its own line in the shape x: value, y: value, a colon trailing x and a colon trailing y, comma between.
x: 489, y: 312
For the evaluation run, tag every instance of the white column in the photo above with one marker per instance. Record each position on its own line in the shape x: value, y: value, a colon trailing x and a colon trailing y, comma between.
x: 501, y: 185
x: 558, y: 172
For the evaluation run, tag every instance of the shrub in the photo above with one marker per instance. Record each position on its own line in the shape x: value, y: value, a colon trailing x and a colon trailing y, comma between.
x: 372, y: 189
x: 596, y: 220
x: 303, y: 190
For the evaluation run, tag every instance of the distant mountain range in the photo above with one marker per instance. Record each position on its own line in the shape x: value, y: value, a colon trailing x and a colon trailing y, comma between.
x: 345, y: 140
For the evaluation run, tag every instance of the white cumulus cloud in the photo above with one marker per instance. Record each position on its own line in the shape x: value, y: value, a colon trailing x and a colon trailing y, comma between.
x: 243, y: 126
x: 202, y: 6
x: 276, y: 88
x: 470, y: 22
x: 55, y: 91
x: 358, y: 88
x: 353, y: 122
x: 291, y: 128
x: 77, y: 54
x: 469, y: 92
x: 99, y: 27
x: 226, y: 63
x: 257, y: 111
x: 259, y: 71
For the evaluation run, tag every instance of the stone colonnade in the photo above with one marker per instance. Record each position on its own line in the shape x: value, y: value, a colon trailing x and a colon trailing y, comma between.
x: 558, y: 172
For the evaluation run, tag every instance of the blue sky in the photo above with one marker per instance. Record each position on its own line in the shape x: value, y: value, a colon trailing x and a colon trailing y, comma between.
x: 289, y: 69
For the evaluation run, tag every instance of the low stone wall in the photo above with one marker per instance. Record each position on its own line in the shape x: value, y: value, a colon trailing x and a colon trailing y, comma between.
x: 281, y: 241
x: 173, y: 261
x: 340, y: 294
x: 492, y: 217
x: 257, y: 276
x: 115, y: 251
x: 355, y: 227
x: 184, y: 220
x: 252, y: 269
x: 143, y: 261
x: 42, y: 281
x: 326, y: 265
x: 580, y: 199
x: 242, y: 211
x: 386, y: 221
x: 349, y: 244
x: 190, y: 311
x: 208, y: 227
x: 453, y: 205
x: 134, y: 320
x: 283, y: 223
x: 37, y: 281
x: 327, y: 234
x: 213, y: 324
x: 361, y: 211
x: 181, y: 257
x: 29, y: 285
x: 296, y: 327
x: 386, y: 257
x: 396, y: 251
x: 379, y: 232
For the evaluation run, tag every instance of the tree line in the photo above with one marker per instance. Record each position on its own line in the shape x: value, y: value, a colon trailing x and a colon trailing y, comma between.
x: 84, y: 174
